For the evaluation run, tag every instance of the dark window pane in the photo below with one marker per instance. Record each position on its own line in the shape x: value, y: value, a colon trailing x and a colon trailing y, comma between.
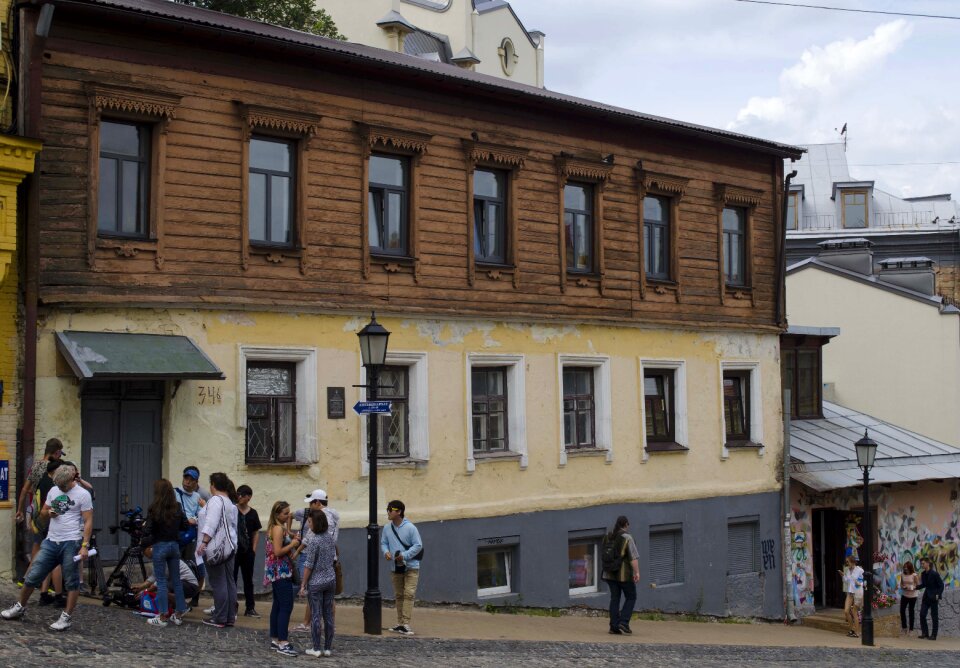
x: 120, y: 139
x: 269, y: 155
x: 734, y: 397
x: 375, y: 218
x: 107, y: 196
x: 808, y: 382
x: 258, y: 207
x: 657, y: 406
x: 487, y: 183
x: 286, y: 446
x: 280, y: 209
x: 394, y: 231
x: 387, y: 171
x: 492, y: 569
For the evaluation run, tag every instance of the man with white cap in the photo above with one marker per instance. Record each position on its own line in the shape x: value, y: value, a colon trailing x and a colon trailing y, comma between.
x: 316, y: 500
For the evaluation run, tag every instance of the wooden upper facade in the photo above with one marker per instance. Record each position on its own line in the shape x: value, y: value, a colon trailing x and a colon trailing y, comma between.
x: 204, y: 94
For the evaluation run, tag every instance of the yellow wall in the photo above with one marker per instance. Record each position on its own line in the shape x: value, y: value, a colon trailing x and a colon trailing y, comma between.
x: 210, y: 436
x: 896, y: 358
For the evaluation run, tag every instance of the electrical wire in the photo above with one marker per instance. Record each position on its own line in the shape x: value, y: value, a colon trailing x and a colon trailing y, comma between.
x: 901, y: 164
x: 848, y: 9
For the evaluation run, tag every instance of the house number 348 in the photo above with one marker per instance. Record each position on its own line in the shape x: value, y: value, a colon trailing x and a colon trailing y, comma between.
x: 208, y: 395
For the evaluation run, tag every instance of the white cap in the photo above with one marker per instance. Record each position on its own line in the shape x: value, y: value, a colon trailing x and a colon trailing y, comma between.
x: 316, y: 495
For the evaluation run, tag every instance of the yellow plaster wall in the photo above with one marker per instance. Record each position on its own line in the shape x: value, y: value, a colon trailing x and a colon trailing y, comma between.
x: 210, y: 436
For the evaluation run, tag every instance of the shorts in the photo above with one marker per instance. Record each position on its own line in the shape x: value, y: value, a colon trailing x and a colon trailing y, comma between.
x: 855, y: 599
x: 50, y: 556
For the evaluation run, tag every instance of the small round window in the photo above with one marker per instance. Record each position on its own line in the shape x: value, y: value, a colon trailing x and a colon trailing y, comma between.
x: 508, y: 56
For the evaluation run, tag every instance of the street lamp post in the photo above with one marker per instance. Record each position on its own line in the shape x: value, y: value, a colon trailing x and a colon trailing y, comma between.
x: 373, y: 352
x: 866, y: 453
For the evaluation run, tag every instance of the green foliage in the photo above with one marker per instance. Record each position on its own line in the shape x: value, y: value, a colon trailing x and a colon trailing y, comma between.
x: 297, y: 14
x: 518, y: 610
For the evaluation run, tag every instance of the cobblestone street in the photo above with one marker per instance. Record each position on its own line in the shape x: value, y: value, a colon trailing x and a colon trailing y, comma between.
x: 114, y: 637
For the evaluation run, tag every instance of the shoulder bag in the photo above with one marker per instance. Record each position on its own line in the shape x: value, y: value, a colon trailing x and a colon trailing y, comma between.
x: 220, y: 550
x: 418, y: 556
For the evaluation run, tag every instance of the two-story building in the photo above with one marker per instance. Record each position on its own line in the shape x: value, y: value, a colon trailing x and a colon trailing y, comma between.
x: 584, y: 302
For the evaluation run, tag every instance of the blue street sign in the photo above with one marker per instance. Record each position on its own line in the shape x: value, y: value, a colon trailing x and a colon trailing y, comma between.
x: 370, y: 407
x: 4, y: 479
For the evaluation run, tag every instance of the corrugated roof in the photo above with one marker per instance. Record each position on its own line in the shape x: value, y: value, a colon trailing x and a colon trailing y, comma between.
x: 438, y: 71
x: 823, y: 456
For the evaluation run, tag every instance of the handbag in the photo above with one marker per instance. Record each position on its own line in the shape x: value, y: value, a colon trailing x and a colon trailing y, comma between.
x: 338, y: 571
x: 418, y: 556
x: 220, y: 551
x: 189, y: 535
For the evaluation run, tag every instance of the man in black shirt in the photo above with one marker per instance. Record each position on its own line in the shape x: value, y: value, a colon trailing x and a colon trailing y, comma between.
x: 247, y: 518
x: 932, y: 585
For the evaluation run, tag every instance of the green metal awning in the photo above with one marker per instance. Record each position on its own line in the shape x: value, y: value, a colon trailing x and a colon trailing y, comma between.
x: 121, y: 356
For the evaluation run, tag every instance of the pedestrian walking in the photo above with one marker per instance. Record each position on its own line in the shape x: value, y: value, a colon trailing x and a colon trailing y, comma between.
x: 39, y: 526
x: 191, y: 501
x: 319, y: 582
x: 278, y: 573
x: 28, y: 509
x: 165, y: 521
x: 932, y: 585
x: 909, y: 582
x: 853, y: 588
x: 621, y: 572
x: 316, y: 500
x: 400, y: 542
x: 248, y: 538
x: 70, y: 509
x: 217, y: 547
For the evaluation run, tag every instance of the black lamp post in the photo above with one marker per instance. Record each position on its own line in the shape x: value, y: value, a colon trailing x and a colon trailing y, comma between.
x: 373, y: 351
x: 866, y: 453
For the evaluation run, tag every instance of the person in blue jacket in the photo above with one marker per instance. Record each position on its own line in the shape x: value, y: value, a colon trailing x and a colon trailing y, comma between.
x: 400, y: 542
x: 932, y: 586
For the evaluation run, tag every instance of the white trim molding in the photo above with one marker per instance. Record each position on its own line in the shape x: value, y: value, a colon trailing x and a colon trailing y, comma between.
x: 756, y: 404
x: 602, y: 398
x: 516, y: 404
x: 306, y: 389
x: 417, y: 404
x: 679, y: 416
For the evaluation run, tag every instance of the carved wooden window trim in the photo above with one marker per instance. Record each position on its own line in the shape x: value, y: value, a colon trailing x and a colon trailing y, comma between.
x: 747, y: 199
x: 673, y: 189
x: 378, y: 139
x: 509, y: 160
x: 595, y: 172
x: 299, y: 127
x: 155, y: 109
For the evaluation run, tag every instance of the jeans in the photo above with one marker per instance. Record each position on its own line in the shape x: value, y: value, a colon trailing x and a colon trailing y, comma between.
x: 166, y: 562
x: 404, y: 591
x: 621, y: 616
x: 281, y: 608
x: 244, y: 563
x: 224, y: 591
x: 321, y: 610
x: 50, y: 556
x: 906, y: 603
x: 934, y: 607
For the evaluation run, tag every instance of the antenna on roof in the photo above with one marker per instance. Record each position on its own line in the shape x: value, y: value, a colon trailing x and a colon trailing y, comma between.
x: 843, y: 134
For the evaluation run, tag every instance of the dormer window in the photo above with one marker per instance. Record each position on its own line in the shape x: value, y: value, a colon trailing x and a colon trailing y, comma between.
x: 853, y: 206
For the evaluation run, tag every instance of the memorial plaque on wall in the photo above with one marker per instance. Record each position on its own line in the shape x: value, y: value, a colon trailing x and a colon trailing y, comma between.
x: 336, y: 404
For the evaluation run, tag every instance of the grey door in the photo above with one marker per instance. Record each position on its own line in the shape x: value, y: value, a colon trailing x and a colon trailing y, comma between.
x: 122, y: 452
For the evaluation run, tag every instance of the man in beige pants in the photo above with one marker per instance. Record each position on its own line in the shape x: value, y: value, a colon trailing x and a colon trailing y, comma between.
x: 400, y: 542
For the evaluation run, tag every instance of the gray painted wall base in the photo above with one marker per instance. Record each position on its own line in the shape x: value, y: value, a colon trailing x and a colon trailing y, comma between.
x: 540, y: 557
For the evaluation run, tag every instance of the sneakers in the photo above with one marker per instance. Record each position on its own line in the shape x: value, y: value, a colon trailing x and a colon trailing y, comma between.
x: 852, y: 634
x: 209, y: 611
x: 615, y: 631
x: 176, y: 619
x: 625, y: 628
x: 46, y: 598
x: 252, y: 613
x: 313, y: 652
x: 216, y: 625
x: 287, y: 650
x: 63, y: 623
x: 157, y: 621
x: 402, y: 629
x: 15, y: 611
x: 328, y: 652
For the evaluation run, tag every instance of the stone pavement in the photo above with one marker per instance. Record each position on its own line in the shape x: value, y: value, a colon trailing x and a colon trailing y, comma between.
x: 107, y: 637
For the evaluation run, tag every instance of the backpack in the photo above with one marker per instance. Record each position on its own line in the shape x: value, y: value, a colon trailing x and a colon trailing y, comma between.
x: 244, y: 542
x: 611, y: 553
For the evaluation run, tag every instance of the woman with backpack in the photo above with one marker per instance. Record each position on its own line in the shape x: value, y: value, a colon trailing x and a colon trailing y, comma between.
x: 621, y: 571
x: 217, y: 547
x: 165, y: 521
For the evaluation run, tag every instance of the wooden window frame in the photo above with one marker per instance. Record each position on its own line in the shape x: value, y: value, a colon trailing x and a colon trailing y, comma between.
x: 143, y: 160
x: 514, y: 366
x: 128, y: 105
x: 384, y: 190
x: 732, y: 439
x: 294, y: 126
x: 504, y: 398
x: 592, y: 396
x: 380, y: 419
x: 292, y: 174
x: 272, y: 401
x: 794, y: 345
x: 412, y: 145
x: 679, y: 438
x: 509, y: 160
x: 729, y: 196
x: 794, y: 196
x: 595, y: 172
x: 666, y: 385
x: 844, y: 193
x: 673, y: 189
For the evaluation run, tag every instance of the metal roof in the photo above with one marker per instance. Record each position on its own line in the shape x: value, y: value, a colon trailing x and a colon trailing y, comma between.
x: 823, y: 457
x: 438, y: 72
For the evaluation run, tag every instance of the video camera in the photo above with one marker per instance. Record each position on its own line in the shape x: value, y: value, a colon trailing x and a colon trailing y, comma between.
x: 133, y: 524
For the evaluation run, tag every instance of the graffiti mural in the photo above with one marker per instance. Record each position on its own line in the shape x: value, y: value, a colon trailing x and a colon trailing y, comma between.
x: 802, y: 566
x: 903, y: 538
x: 854, y: 538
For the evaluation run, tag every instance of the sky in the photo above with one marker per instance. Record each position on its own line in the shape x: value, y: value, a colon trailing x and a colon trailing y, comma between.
x: 782, y: 73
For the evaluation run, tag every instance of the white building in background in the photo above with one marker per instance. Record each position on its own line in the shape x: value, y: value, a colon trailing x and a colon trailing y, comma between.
x: 481, y: 35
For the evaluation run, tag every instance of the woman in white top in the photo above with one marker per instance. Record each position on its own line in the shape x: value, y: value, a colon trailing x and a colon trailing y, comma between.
x: 853, y: 587
x: 217, y: 526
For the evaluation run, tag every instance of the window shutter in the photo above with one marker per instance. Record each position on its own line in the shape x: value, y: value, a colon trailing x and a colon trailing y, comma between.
x: 666, y: 557
x: 743, y: 548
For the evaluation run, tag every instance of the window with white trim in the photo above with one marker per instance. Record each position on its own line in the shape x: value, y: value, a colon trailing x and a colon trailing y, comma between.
x: 416, y: 423
x: 586, y: 421
x: 495, y: 408
x: 741, y: 407
x: 294, y: 416
x: 495, y: 571
x: 664, y: 384
x: 583, y: 571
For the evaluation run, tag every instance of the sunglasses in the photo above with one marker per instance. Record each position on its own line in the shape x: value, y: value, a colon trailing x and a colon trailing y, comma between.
x: 391, y: 509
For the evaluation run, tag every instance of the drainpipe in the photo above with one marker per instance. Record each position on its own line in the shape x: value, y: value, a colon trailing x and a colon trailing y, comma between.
x: 787, y: 539
x: 782, y: 260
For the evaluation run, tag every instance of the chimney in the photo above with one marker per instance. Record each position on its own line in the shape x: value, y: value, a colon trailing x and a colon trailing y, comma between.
x: 850, y: 254
x: 912, y: 273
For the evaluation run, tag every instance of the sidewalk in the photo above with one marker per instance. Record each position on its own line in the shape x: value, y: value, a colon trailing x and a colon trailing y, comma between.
x: 460, y: 624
